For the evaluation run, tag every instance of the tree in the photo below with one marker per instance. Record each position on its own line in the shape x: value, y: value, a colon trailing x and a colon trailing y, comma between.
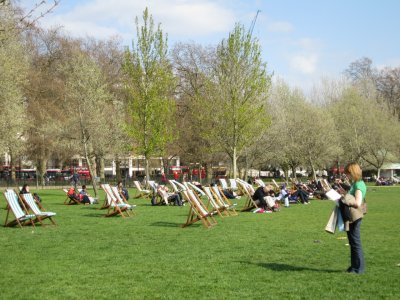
x: 365, y: 128
x: 237, y: 109
x: 86, y: 104
x: 13, y: 70
x: 150, y: 86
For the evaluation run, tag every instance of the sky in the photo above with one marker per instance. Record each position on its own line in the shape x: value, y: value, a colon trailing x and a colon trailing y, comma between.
x: 302, y: 41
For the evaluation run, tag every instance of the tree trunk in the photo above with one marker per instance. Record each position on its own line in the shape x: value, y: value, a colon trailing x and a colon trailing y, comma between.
x: 101, y: 170
x: 379, y: 172
x: 12, y: 168
x: 42, y: 170
x: 294, y: 173
x: 147, y: 170
x: 234, y: 162
x: 118, y: 169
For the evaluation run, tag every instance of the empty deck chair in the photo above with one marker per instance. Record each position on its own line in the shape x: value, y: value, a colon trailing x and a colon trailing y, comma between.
x: 197, y: 211
x: 40, y: 215
x: 141, y: 192
x: 20, y: 214
x: 114, y: 208
x: 248, y: 192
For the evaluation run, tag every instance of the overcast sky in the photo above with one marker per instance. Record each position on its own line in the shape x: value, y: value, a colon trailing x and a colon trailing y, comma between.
x: 302, y: 40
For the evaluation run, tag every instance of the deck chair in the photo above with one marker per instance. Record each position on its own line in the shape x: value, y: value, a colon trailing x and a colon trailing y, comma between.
x: 30, y: 203
x: 217, y: 206
x: 276, y: 186
x: 248, y: 193
x: 223, y: 183
x: 142, y: 192
x: 114, y: 208
x: 233, y: 184
x: 120, y: 198
x: 259, y: 182
x: 13, y: 205
x: 223, y: 200
x: 193, y: 187
x: 197, y: 211
x: 70, y: 200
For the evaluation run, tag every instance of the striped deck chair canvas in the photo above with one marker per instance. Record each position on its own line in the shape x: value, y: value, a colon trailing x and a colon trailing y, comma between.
x: 121, y: 199
x: 248, y: 193
x: 114, y: 208
x: 218, y: 208
x: 224, y: 201
x: 197, y: 211
x: 40, y: 215
x: 21, y: 217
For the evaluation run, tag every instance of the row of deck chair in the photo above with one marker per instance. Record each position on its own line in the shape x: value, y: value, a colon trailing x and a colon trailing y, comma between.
x: 25, y: 210
x: 204, y: 203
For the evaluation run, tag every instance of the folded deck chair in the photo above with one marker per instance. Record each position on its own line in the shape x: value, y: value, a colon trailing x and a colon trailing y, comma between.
x: 121, y: 199
x: 141, y: 192
x: 20, y: 213
x: 177, y: 186
x: 248, y: 192
x: 40, y: 215
x: 114, y: 208
x: 223, y: 200
x: 197, y: 211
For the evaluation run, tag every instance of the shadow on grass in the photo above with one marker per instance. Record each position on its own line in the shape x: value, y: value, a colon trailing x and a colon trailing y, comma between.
x: 166, y: 224
x: 286, y: 267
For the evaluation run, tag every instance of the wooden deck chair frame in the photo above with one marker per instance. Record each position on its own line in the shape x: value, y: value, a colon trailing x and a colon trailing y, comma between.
x: 249, y: 202
x: 197, y: 211
x: 142, y: 192
x: 114, y: 208
x: 22, y: 218
x: 69, y: 200
x: 39, y: 212
x: 216, y: 205
x: 219, y: 194
x: 121, y: 200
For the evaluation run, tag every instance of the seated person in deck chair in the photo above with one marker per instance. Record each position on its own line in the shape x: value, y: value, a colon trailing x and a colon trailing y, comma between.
x: 123, y: 191
x: 25, y: 190
x: 85, y: 197
x: 261, y: 195
x: 172, y: 197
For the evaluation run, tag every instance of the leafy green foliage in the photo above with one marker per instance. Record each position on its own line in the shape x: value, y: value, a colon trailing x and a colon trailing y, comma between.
x: 150, y: 85
x: 280, y: 255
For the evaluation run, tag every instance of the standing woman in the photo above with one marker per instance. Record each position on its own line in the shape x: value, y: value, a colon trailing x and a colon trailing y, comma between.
x: 358, y: 189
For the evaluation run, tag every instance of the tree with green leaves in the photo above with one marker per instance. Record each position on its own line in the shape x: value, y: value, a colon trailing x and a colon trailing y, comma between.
x: 238, y: 108
x: 13, y: 78
x: 87, y: 106
x: 150, y: 85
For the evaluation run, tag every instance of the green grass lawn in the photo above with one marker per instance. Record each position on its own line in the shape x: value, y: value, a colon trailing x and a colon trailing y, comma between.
x: 284, y: 255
